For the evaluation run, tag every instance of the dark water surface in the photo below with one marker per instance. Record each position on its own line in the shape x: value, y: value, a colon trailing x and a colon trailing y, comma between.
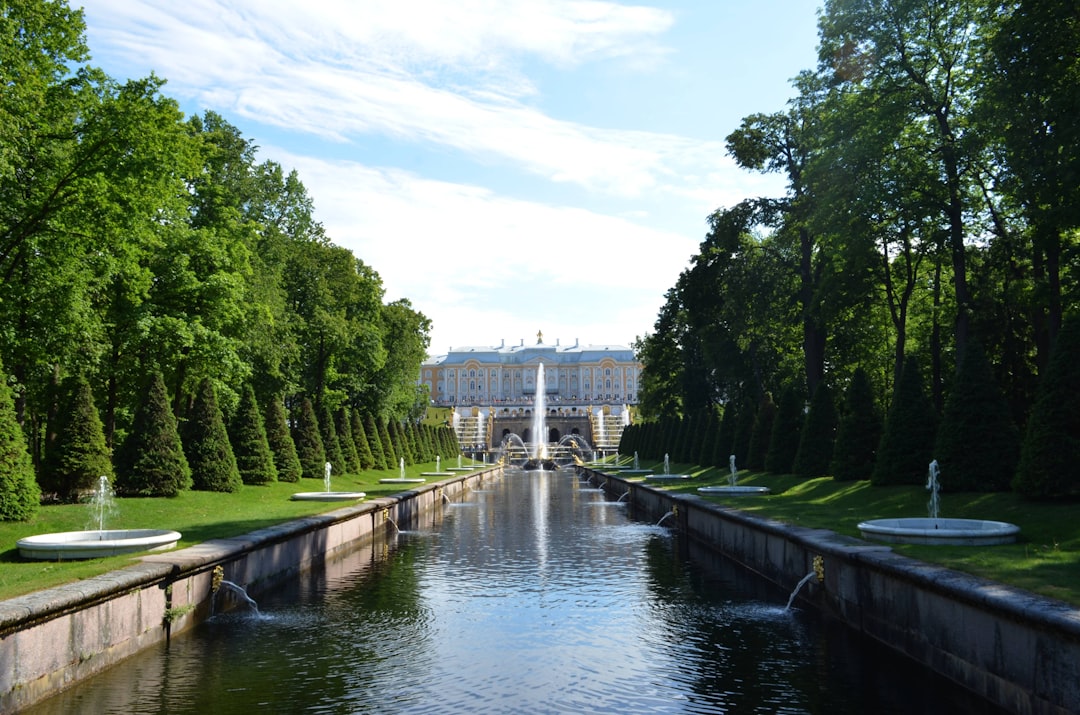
x: 535, y: 595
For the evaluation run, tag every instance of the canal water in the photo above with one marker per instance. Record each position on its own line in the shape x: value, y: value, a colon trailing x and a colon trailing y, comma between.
x: 536, y: 594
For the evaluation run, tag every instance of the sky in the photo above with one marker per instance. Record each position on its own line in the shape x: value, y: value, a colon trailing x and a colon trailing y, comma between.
x: 508, y: 166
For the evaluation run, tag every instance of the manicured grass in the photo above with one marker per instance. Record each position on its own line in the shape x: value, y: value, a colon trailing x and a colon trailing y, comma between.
x: 198, y: 516
x: 1045, y: 559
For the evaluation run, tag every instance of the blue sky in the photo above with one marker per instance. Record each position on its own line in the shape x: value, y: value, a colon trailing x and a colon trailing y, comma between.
x: 508, y: 166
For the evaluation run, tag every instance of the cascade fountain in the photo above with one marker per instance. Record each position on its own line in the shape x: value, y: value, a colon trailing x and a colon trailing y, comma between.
x: 402, y: 479
x: 935, y: 530
x: 732, y: 489
x: 99, y: 542
x: 327, y: 494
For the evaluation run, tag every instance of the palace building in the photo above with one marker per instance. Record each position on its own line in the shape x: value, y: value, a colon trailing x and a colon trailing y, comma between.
x: 493, y: 389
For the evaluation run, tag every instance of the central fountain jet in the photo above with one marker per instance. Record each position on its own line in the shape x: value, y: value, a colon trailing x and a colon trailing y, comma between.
x: 540, y: 458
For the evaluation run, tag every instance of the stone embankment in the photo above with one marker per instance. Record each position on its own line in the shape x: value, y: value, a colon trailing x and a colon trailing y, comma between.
x: 1017, y: 650
x: 51, y: 639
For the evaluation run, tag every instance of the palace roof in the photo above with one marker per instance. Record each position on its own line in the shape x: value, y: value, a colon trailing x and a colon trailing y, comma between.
x: 523, y: 354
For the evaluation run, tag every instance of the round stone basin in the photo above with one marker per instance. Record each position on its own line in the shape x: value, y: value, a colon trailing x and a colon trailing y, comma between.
x: 64, y: 545
x: 402, y: 480
x: 666, y: 477
x: 961, y: 532
x: 735, y: 491
x: 328, y: 496
x: 436, y: 474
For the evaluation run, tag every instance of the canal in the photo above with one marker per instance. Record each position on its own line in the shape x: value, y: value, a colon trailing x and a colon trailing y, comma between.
x: 537, y: 594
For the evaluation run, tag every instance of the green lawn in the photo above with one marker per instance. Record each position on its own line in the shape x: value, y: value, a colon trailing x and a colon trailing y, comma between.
x: 198, y: 516
x: 1045, y: 559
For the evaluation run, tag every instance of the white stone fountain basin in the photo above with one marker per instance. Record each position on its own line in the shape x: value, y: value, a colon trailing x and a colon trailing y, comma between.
x: 735, y: 491
x: 960, y: 532
x: 64, y: 545
x: 328, y: 496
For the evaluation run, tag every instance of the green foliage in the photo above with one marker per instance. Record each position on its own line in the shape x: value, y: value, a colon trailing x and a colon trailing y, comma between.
x: 784, y: 436
x: 977, y: 443
x: 279, y: 438
x: 206, y: 444
x: 723, y: 445
x: 19, y: 491
x: 151, y: 461
x: 344, y: 428
x: 1051, y: 448
x: 254, y: 459
x: 858, y: 433
x: 746, y: 417
x: 365, y: 457
x: 817, y: 435
x: 375, y: 447
x: 330, y: 441
x: 907, y: 440
x: 390, y: 448
x: 761, y: 434
x: 79, y: 456
x: 309, y: 445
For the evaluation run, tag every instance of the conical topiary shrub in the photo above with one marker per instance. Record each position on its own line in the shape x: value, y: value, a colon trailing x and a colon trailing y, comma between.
x: 725, y: 436
x: 907, y: 441
x: 858, y: 432
x: 206, y: 445
x: 79, y: 457
x: 817, y: 435
x: 745, y: 418
x: 362, y: 441
x: 250, y: 446
x: 375, y: 445
x: 282, y: 447
x: 1051, y: 449
x: 977, y: 443
x: 20, y: 495
x: 784, y: 437
x: 349, y: 453
x: 309, y: 446
x: 761, y: 434
x: 151, y: 462
x: 390, y: 448
x: 330, y: 442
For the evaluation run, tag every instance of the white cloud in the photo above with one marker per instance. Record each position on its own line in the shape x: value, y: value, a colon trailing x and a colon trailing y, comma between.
x: 472, y: 260
x: 437, y: 73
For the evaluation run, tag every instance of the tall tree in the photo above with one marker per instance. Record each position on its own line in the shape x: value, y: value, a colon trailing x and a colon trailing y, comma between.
x: 922, y: 56
x: 1032, y: 99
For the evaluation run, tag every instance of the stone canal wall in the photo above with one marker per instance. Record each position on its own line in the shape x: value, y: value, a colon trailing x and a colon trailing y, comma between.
x: 1013, y: 648
x: 53, y: 638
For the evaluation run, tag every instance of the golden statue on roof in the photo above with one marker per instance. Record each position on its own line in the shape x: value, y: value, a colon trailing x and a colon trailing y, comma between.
x: 539, y: 337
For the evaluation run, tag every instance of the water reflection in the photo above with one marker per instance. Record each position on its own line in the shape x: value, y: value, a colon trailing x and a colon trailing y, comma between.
x: 540, y: 597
